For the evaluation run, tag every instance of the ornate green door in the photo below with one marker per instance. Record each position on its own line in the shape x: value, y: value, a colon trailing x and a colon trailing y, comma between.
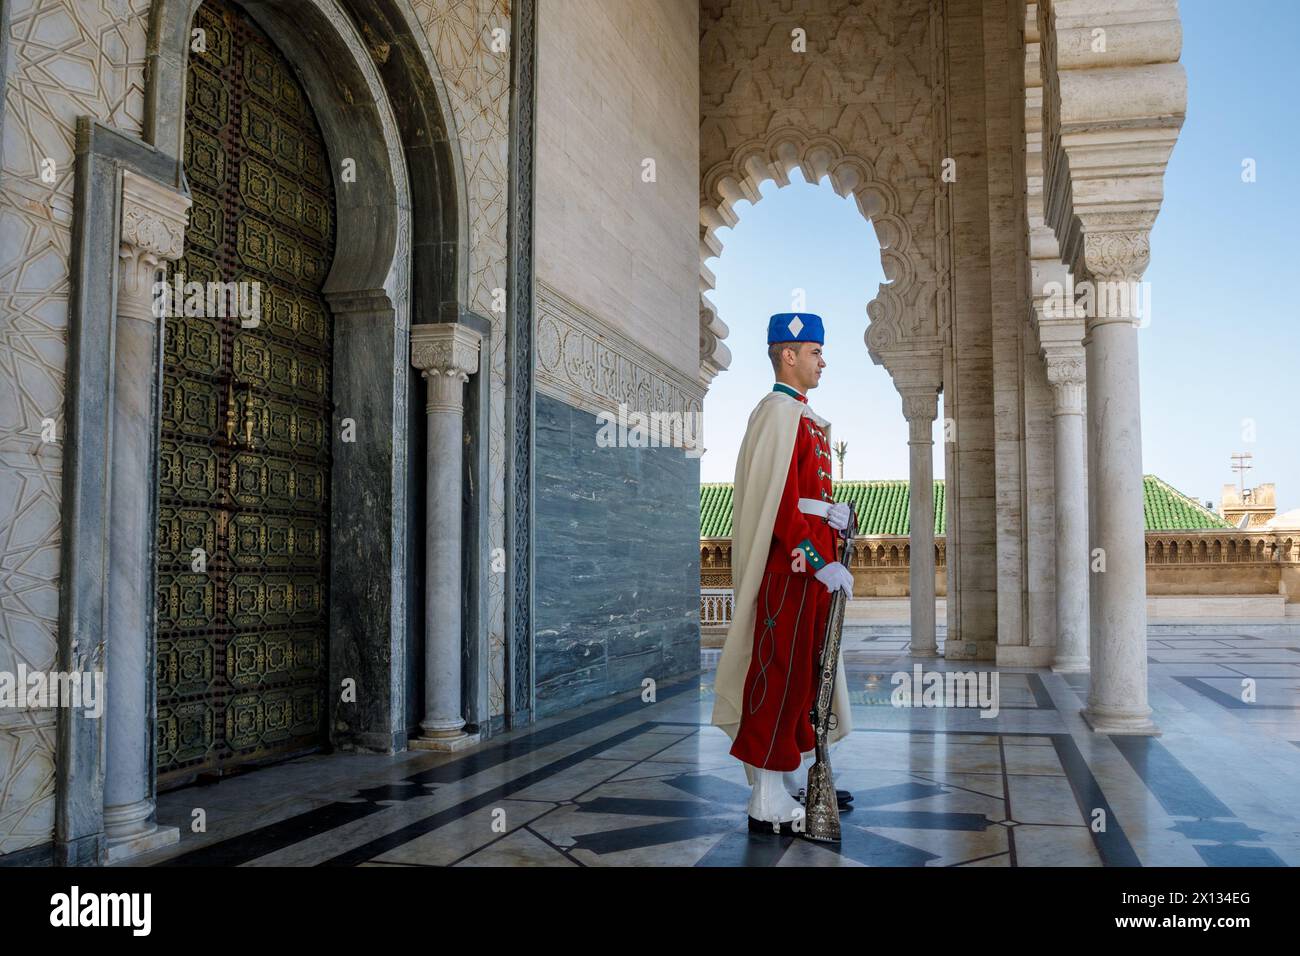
x: 243, y: 516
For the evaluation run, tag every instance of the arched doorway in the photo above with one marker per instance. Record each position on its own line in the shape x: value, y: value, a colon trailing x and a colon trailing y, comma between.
x: 906, y: 317
x: 245, y: 452
x: 797, y: 246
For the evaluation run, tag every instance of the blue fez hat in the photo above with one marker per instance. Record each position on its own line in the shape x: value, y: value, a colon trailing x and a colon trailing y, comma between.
x: 795, y: 327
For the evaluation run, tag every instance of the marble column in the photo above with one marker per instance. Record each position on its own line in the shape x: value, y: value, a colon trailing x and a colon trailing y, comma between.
x: 1109, y: 125
x: 446, y: 355
x: 1065, y: 373
x: 152, y: 233
x: 920, y: 406
x: 1117, y: 701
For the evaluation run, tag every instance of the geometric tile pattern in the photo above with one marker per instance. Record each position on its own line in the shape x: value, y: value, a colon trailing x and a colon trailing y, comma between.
x: 626, y: 783
x: 66, y: 58
x: 27, y: 748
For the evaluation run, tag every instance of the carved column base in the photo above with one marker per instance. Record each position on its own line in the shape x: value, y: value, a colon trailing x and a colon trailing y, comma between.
x: 445, y: 736
x: 459, y: 740
x: 1120, y: 722
x: 130, y: 830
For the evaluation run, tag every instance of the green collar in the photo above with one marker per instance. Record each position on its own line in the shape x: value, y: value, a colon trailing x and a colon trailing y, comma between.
x: 786, y: 389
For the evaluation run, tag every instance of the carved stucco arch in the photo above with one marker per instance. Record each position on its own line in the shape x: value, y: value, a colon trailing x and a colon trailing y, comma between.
x: 890, y: 328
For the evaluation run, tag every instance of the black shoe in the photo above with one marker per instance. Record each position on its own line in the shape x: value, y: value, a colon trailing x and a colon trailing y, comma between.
x: 764, y: 826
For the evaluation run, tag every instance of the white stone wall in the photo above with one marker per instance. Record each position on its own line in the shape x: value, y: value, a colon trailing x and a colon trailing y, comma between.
x: 618, y: 84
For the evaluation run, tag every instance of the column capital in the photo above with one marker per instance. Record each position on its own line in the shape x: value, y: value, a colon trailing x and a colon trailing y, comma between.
x: 445, y: 348
x: 920, y: 404
x: 918, y: 376
x: 154, y: 217
x: 920, y: 407
x: 1117, y: 255
x: 1114, y: 97
x: 1067, y: 374
x: 446, y: 354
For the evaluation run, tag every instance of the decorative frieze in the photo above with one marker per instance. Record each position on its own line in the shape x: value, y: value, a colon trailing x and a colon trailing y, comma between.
x: 587, y: 364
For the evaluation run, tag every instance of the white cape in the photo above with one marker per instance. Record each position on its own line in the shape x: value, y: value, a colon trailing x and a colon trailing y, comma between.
x: 761, y: 469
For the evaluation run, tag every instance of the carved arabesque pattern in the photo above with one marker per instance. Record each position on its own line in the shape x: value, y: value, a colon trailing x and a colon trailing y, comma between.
x: 867, y: 105
x: 1117, y: 256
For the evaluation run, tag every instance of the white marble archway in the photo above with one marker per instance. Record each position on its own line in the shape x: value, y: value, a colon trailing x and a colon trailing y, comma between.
x: 903, y: 321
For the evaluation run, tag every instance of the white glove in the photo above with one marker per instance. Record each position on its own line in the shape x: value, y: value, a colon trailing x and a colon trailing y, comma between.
x: 838, y: 516
x: 836, y: 577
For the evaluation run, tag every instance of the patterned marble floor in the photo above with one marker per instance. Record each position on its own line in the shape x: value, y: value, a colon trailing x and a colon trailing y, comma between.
x: 624, y: 782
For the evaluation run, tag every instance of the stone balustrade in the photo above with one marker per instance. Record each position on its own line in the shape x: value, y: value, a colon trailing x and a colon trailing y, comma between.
x: 716, y: 605
x: 1209, y: 562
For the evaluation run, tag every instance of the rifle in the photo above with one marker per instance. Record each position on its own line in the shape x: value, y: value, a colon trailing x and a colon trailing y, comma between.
x: 821, y: 811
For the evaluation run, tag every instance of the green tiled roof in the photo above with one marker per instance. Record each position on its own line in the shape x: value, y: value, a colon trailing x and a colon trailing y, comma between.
x: 715, y: 510
x: 1165, y: 508
x: 882, y: 507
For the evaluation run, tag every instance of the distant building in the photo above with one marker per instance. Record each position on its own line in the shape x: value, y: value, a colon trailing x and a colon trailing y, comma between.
x: 1250, y: 507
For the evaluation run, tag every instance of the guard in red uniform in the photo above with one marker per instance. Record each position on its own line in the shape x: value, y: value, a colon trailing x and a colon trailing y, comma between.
x: 775, y: 729
x: 785, y: 568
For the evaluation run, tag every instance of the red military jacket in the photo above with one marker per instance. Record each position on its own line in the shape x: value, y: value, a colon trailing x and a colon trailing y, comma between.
x: 809, y: 477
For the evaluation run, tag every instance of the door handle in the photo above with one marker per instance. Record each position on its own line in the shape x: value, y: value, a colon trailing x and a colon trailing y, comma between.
x: 233, y: 423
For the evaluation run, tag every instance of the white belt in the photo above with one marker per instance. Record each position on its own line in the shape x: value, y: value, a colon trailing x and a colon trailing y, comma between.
x: 811, y: 506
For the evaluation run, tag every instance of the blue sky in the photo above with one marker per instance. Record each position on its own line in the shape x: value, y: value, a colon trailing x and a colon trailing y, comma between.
x: 1222, y: 350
